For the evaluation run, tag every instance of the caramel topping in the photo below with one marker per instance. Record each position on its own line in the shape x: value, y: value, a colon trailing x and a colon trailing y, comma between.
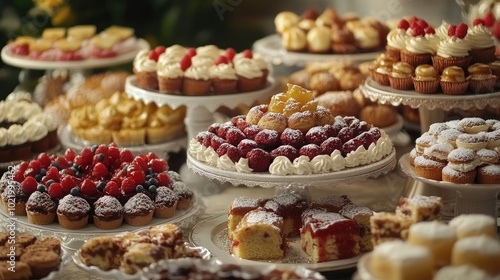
x: 453, y: 74
x: 426, y: 70
x: 479, y: 69
x: 402, y: 69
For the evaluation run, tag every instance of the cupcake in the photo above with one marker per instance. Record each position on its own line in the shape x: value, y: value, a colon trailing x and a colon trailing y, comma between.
x: 165, y: 203
x: 145, y: 69
x: 21, y: 199
x: 224, y: 79
x: 487, y: 156
x: 170, y: 75
x: 263, y: 66
x: 481, y: 79
x: 380, y: 69
x: 108, y: 212
x: 5, y: 152
x: 51, y: 124
x: 442, y: 30
x: 420, y: 46
x: 37, y: 135
x: 20, y: 147
x: 495, y: 70
x: 454, y: 50
x: 429, y: 169
x: 488, y: 174
x: 73, y: 212
x: 40, y: 208
x: 184, y: 194
x: 396, y: 39
x: 438, y: 152
x: 482, y: 44
x: 249, y: 75
x: 461, y: 168
x: 211, y: 51
x: 401, y: 76
x: 453, y: 81
x: 139, y: 210
x: 197, y: 81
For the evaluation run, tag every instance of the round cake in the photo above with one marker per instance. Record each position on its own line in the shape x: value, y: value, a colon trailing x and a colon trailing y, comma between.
x: 290, y: 135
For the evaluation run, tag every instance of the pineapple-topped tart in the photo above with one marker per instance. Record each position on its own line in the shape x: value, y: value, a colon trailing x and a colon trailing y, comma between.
x: 292, y: 135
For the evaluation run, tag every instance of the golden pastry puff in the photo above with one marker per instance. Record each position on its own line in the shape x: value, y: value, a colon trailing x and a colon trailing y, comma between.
x: 426, y: 72
x: 402, y: 69
x: 453, y: 74
x: 285, y: 20
x: 318, y: 39
x: 294, y: 39
x: 479, y: 71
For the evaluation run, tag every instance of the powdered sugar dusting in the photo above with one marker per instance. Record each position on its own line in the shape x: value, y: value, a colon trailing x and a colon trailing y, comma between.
x: 138, y: 203
x: 246, y: 202
x: 425, y: 201
x: 107, y: 204
x: 449, y: 134
x: 352, y: 210
x: 73, y: 205
x: 492, y: 170
x: 462, y: 155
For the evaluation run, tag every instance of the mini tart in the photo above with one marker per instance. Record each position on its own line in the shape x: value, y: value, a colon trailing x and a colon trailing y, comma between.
x: 472, y: 141
x: 428, y: 168
x: 165, y: 203
x: 184, y: 194
x: 488, y: 174
x: 481, y: 79
x: 453, y: 81
x: 41, y: 261
x: 139, y: 210
x: 73, y: 212
x: 401, y: 76
x: 40, y: 208
x: 426, y: 79
x: 108, y: 212
x: 457, y: 177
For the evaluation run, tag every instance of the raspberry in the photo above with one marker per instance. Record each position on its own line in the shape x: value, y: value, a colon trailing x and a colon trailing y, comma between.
x: 151, y: 156
x: 422, y: 23
x: 316, y: 135
x: 234, y: 154
x: 292, y: 137
x: 128, y: 185
x: 19, y: 173
x: 114, y: 153
x: 185, y: 62
x: 61, y: 162
x: 451, y: 30
x: 285, y: 150
x: 100, y: 158
x: 201, y: 136
x: 230, y: 53
x: 247, y: 54
x: 348, y: 120
x: 99, y: 171
x: 363, y: 126
x: 87, y: 156
x: 153, y: 55
x: 35, y: 165
x: 78, y: 160
x: 366, y: 139
x: 160, y: 49
x: 251, y: 131
x: 351, y: 146
x: 102, y: 149
x: 332, y: 130
x: 67, y: 183
x: 126, y: 156
x: 88, y: 188
x: 478, y: 21
x: 236, y: 119
x: 246, y: 145
x: 489, y: 19
x: 223, y: 128
x: 208, y: 139
x: 345, y: 134
x: 267, y: 138
x: 52, y: 173
x: 222, y: 60
x: 258, y: 160
x: 29, y: 185
x: 234, y: 136
x: 429, y: 30
x: 222, y: 149
x: 191, y: 52
x: 331, y: 144
x: 112, y: 189
x: 163, y: 179
x: 461, y: 30
x: 216, y: 141
x: 417, y: 31
x: 375, y: 133
x: 44, y: 160
x: 214, y: 127
x: 138, y: 176
x: 56, y: 191
x: 69, y: 154
x: 310, y: 150
x: 133, y: 167
x: 403, y: 24
x: 158, y: 165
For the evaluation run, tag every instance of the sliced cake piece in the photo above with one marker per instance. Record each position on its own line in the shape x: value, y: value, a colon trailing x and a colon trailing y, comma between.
x: 420, y: 208
x: 238, y: 208
x: 259, y: 235
x: 289, y: 206
x: 387, y: 227
x: 361, y: 215
x: 331, y: 203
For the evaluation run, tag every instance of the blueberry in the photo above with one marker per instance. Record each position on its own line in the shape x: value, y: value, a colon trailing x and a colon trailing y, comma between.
x: 148, y: 177
x: 149, y: 171
x: 93, y: 148
x: 152, y: 189
x: 49, y: 182
x: 153, y: 181
x: 43, y: 171
x: 75, y: 191
x: 101, y: 185
x: 55, y: 164
x: 146, y: 185
x: 139, y: 188
x: 38, y: 177
x: 40, y: 188
x: 101, y: 157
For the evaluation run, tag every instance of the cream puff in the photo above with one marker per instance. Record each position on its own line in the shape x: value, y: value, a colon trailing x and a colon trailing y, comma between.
x: 461, y: 168
x: 472, y: 141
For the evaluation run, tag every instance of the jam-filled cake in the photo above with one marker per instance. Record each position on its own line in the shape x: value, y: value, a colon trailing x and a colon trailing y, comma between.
x: 102, y: 184
x: 238, y: 208
x: 291, y: 135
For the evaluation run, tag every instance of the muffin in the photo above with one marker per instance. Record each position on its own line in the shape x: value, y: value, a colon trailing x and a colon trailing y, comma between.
x: 453, y: 81
x: 145, y: 69
x: 401, y: 76
x: 21, y: 199
x: 482, y: 44
x: 481, y: 79
x: 40, y: 208
x: 396, y: 39
x: 467, y: 225
x: 438, y: 237
x: 170, y: 77
x: 184, y: 194
x: 488, y: 174
x: 108, y: 212
x: 165, y: 203
x: 22, y: 271
x: 139, y: 210
x: 426, y: 79
x: 249, y: 75
x: 197, y: 81
x: 453, y: 51
x: 73, y: 212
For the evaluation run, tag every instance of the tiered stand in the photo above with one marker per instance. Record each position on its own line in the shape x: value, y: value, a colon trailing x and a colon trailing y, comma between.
x: 468, y: 198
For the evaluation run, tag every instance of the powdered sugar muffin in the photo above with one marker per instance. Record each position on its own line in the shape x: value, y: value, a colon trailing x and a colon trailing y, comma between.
x: 73, y: 212
x: 436, y: 236
x: 108, y: 212
x: 139, y: 210
x: 473, y: 224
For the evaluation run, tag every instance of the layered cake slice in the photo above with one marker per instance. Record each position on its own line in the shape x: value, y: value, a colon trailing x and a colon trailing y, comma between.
x: 259, y: 235
x: 361, y: 215
x: 238, y: 208
x: 420, y: 208
x: 328, y: 236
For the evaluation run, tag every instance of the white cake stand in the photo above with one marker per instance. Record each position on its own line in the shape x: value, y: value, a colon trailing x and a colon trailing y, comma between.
x: 199, y: 115
x: 471, y: 198
x: 432, y: 108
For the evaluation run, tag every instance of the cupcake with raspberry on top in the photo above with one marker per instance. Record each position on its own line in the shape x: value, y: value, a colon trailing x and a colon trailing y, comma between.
x: 454, y: 50
x: 422, y: 44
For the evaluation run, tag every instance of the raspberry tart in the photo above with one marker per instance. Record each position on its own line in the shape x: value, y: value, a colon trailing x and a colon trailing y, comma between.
x: 291, y: 135
x: 102, y: 185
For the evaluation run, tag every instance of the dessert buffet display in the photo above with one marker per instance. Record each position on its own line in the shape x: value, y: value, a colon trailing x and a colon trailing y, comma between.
x: 290, y: 136
x: 102, y: 189
x: 125, y: 255
x: 199, y: 71
x: 79, y: 47
x: 466, y: 247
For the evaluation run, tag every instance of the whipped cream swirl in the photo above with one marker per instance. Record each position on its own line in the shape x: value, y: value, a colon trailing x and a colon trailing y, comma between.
x: 453, y: 47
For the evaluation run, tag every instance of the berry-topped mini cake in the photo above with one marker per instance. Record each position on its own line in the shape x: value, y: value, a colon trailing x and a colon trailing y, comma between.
x: 101, y: 184
x: 290, y: 136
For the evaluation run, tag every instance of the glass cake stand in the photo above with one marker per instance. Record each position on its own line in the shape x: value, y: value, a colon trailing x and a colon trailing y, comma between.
x: 432, y: 108
x: 199, y: 115
x: 267, y: 180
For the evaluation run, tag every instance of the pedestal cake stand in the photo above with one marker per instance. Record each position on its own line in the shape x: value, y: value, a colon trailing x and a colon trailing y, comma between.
x: 199, y: 115
x: 432, y: 109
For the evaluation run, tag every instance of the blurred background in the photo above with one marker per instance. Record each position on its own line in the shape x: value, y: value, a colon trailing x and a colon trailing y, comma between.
x: 225, y: 23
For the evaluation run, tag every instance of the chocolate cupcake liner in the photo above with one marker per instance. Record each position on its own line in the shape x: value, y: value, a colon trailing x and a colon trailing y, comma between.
x: 224, y: 86
x: 486, y: 55
x: 416, y: 59
x: 454, y: 88
x: 401, y: 83
x: 196, y: 87
x: 169, y: 85
x: 426, y: 87
x: 381, y: 79
x: 482, y: 86
x: 440, y: 63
